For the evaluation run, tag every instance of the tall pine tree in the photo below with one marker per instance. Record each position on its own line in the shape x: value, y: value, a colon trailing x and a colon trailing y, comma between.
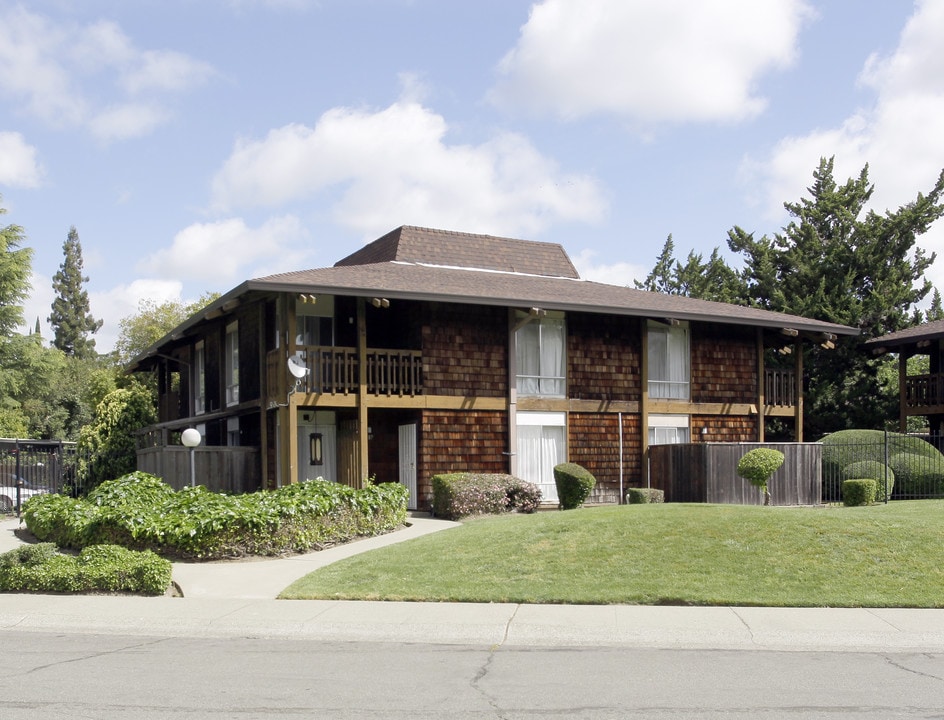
x: 71, y: 319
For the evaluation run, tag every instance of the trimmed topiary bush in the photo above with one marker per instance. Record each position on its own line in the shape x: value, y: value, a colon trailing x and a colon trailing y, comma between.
x: 919, y: 475
x: 458, y: 495
x: 872, y: 470
x: 758, y: 465
x: 574, y: 485
x: 641, y: 496
x: 860, y: 491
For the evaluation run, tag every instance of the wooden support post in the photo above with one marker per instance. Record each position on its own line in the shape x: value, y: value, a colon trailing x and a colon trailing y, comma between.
x: 362, y: 461
x: 644, y: 402
x: 512, y: 393
x: 903, y: 392
x: 798, y: 410
x: 761, y: 386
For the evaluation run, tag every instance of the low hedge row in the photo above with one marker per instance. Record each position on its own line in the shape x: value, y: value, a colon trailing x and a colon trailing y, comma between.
x: 98, y: 568
x: 458, y: 495
x: 642, y: 496
x: 139, y: 511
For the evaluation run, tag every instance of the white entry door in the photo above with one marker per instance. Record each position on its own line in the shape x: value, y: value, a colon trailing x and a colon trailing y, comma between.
x: 541, y: 446
x: 317, y: 446
x: 408, y: 462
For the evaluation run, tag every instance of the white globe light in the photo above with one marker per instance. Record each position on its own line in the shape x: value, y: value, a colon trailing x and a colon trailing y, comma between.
x: 190, y: 437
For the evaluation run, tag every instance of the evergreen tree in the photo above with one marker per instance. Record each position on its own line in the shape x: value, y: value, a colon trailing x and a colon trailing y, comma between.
x: 711, y: 280
x: 15, y: 268
x: 936, y: 311
x: 71, y: 320
x: 836, y: 262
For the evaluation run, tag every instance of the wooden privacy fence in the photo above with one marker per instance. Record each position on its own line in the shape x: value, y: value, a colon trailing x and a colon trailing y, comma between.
x: 220, y: 469
x: 707, y: 472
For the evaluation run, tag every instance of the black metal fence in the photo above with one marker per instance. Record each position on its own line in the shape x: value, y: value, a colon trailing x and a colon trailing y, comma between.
x: 905, y: 467
x: 32, y: 467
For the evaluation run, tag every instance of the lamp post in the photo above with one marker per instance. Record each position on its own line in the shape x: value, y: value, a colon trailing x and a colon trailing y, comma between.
x: 191, y: 438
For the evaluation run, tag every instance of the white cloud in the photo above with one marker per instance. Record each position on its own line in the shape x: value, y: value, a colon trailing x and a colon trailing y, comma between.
x: 898, y: 136
x: 55, y: 71
x: 18, y: 164
x: 649, y: 61
x: 129, y: 120
x: 612, y: 274
x: 220, y: 253
x: 395, y: 166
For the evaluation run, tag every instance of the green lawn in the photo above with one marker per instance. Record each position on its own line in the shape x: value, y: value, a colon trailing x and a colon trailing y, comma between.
x: 879, y: 556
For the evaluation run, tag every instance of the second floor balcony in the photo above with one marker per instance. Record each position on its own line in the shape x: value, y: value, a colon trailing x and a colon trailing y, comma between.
x: 336, y: 371
x: 924, y: 394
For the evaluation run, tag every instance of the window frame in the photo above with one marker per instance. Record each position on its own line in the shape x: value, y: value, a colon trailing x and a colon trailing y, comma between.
x: 664, y: 381
x: 231, y: 359
x: 541, y: 384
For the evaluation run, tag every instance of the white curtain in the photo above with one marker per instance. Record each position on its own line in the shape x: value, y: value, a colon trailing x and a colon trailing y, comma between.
x: 528, y: 356
x: 540, y: 448
x: 668, y: 363
x: 539, y: 350
x: 552, y: 357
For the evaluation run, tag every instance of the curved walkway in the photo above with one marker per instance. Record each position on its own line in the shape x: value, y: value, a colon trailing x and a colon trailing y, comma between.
x: 237, y: 599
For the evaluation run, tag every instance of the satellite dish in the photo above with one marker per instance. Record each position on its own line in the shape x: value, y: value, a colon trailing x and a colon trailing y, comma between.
x: 296, y: 368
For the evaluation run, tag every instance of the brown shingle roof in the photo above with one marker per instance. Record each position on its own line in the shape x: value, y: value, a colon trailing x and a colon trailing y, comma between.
x: 399, y: 280
x: 455, y: 249
x: 412, y: 263
x: 928, y: 331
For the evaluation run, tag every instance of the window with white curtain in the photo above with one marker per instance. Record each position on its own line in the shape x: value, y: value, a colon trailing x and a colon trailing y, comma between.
x: 669, y: 361
x: 668, y: 429
x: 541, y: 446
x: 199, y: 380
x: 539, y: 351
x: 232, y: 363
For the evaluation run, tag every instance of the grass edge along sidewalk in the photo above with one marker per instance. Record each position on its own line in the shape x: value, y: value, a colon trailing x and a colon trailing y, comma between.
x: 674, y: 554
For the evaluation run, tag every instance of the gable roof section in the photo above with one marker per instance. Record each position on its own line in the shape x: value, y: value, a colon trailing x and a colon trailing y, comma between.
x: 425, y: 246
x: 909, y: 336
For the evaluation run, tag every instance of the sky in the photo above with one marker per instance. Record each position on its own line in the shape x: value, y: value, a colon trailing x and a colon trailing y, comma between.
x: 195, y: 144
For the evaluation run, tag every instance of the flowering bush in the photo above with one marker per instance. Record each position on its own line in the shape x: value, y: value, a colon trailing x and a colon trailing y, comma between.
x: 458, y: 495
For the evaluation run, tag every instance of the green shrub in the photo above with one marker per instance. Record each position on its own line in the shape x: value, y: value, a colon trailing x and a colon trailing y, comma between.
x: 28, y: 555
x: 638, y: 496
x: 138, y: 512
x: 758, y: 465
x: 106, y: 445
x: 920, y: 474
x: 574, y: 485
x: 458, y: 495
x: 99, y: 568
x: 872, y: 470
x: 859, y: 491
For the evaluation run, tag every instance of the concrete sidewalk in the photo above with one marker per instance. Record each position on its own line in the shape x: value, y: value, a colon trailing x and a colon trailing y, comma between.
x: 236, y: 599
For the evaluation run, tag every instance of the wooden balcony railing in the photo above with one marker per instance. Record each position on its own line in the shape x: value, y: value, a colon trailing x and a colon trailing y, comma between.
x: 780, y: 388
x: 335, y: 370
x: 924, y: 391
